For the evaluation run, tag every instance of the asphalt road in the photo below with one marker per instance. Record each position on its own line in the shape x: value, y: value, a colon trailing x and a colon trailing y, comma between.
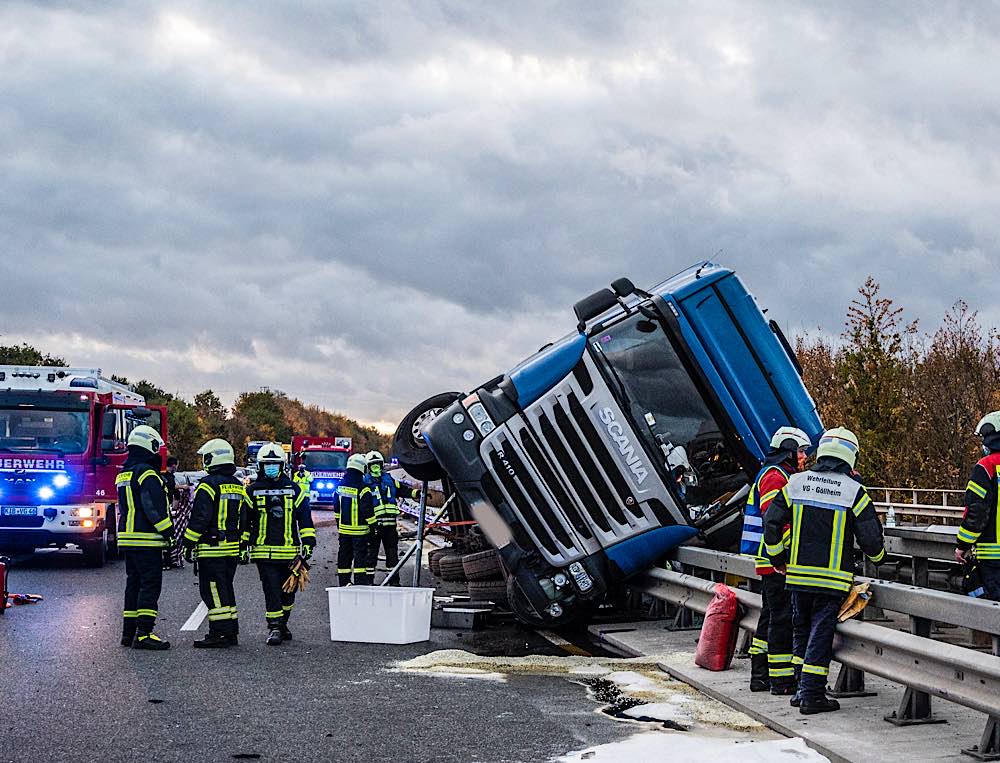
x: 70, y: 692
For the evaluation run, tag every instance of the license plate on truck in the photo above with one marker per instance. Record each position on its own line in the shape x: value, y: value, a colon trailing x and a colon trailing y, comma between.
x: 17, y: 511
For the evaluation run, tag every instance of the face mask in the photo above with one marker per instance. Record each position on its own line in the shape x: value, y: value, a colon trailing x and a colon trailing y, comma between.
x: 272, y: 470
x: 376, y: 471
x: 986, y: 451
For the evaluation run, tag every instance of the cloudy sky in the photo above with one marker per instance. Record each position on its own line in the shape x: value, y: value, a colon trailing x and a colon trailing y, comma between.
x: 363, y: 204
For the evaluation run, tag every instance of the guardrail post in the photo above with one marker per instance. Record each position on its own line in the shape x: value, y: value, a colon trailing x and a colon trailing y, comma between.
x: 916, y: 705
x: 850, y: 683
x: 684, y: 618
x: 989, y: 744
x: 921, y: 572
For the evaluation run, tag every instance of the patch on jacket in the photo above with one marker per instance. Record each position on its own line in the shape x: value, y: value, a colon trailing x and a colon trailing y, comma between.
x: 823, y: 489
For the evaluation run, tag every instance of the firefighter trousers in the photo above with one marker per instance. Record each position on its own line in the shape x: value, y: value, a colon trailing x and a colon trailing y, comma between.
x: 387, y: 536
x: 990, y: 575
x: 353, y: 558
x: 215, y: 583
x: 774, y: 629
x: 277, y: 603
x: 143, y: 580
x: 814, y: 620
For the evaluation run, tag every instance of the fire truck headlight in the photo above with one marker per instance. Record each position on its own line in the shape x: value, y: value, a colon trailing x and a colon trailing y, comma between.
x: 83, y: 511
x: 60, y: 480
x: 46, y: 493
x: 87, y: 523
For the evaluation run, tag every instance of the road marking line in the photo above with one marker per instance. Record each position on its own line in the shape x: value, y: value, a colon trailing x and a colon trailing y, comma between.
x: 197, y: 618
x: 562, y: 643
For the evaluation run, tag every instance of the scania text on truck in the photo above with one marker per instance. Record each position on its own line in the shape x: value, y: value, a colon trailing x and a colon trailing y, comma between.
x: 62, y: 441
x: 591, y: 459
x: 325, y: 458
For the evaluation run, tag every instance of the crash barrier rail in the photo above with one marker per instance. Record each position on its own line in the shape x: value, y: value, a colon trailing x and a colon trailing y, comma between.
x: 921, y: 503
x: 923, y: 666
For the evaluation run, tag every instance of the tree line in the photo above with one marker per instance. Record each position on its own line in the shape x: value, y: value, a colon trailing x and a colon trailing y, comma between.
x: 263, y: 415
x: 912, y: 397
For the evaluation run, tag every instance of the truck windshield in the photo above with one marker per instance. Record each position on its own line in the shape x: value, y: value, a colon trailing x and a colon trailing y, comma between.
x: 44, y: 423
x: 668, y: 410
x: 324, y: 460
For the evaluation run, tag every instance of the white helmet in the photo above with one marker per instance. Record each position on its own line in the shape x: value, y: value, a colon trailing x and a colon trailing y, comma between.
x: 989, y: 424
x: 840, y: 443
x: 271, y: 453
x: 374, y: 457
x: 145, y: 437
x: 217, y: 452
x: 790, y: 438
x: 357, y: 461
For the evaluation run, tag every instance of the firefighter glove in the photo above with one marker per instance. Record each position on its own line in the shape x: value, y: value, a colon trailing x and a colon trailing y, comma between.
x: 244, y: 554
x: 307, y: 550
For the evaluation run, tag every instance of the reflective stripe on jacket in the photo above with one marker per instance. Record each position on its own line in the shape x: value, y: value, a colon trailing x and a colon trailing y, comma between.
x: 219, y: 515
x: 280, y: 520
x: 981, y: 524
x: 144, y: 519
x: 770, y: 480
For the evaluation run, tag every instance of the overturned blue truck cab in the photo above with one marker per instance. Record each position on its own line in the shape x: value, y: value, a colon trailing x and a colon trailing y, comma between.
x: 590, y: 460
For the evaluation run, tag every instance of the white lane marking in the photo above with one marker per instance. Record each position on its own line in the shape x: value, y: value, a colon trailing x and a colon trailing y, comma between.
x: 566, y: 646
x: 197, y: 618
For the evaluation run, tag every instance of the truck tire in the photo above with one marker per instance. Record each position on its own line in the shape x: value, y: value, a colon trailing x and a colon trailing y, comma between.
x: 111, y: 522
x: 523, y: 611
x: 409, y: 447
x: 488, y: 590
x: 483, y: 565
x: 452, y: 568
x: 434, y: 560
x: 95, y: 553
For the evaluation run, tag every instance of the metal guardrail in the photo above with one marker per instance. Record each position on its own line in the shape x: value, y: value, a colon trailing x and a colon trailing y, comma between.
x: 940, y: 504
x: 925, y: 667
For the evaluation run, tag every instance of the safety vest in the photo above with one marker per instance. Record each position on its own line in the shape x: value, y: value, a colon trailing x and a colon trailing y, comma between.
x: 828, y: 511
x: 752, y: 540
x: 304, y: 480
x: 351, y: 520
x: 385, y: 497
x: 216, y: 516
x: 279, y: 520
x: 135, y: 528
x: 986, y: 541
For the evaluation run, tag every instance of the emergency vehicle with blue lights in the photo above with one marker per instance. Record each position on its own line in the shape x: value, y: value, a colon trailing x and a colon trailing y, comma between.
x: 63, y: 435
x: 325, y: 458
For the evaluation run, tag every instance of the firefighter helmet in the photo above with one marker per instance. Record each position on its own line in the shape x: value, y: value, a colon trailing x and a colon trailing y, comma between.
x: 357, y: 461
x: 790, y: 439
x: 374, y: 457
x: 840, y: 443
x: 989, y: 424
x: 217, y: 452
x: 271, y: 453
x: 145, y: 437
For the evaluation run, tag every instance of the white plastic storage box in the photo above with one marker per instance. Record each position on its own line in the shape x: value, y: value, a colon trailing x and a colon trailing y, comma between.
x: 380, y: 615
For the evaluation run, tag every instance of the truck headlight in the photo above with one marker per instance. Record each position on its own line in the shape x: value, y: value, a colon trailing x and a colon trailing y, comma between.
x: 60, y: 480
x: 82, y: 511
x: 482, y: 420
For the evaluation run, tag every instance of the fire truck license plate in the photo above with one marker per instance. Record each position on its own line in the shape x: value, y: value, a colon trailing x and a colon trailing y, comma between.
x: 17, y: 511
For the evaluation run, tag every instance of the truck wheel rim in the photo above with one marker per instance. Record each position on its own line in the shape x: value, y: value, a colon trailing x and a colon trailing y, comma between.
x: 423, y: 418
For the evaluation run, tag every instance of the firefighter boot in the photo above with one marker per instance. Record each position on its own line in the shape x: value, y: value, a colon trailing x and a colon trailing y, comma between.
x: 274, y: 636
x: 822, y: 705
x: 150, y: 641
x: 285, y: 633
x: 129, y: 628
x: 795, y: 701
x: 758, y: 673
x: 214, y: 641
x: 784, y: 687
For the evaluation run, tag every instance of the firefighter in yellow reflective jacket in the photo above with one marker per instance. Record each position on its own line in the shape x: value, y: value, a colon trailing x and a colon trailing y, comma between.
x: 144, y: 530
x: 214, y: 534
x: 279, y: 529
x: 386, y: 492
x: 979, y: 535
x: 828, y: 509
x: 303, y: 478
x: 355, y: 521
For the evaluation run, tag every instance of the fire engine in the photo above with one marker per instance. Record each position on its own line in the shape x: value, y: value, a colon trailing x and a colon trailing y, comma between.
x: 63, y: 435
x: 325, y: 458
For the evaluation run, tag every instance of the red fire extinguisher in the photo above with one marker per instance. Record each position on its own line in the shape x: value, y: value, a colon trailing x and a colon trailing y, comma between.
x: 4, y: 561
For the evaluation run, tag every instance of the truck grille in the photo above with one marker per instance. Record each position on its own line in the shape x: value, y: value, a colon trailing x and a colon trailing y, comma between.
x: 557, y: 473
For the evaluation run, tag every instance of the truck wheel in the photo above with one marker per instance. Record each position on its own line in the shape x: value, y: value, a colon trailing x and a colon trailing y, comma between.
x: 482, y: 565
x: 409, y: 446
x: 451, y: 568
x: 95, y: 554
x: 111, y: 522
x: 488, y: 590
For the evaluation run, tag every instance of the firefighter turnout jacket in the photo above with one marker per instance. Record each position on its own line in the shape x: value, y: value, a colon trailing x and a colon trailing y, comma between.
x: 280, y: 520
x: 144, y: 517
x: 355, y: 507
x: 981, y: 523
x: 385, y: 492
x: 770, y: 481
x: 827, y: 509
x: 219, y: 515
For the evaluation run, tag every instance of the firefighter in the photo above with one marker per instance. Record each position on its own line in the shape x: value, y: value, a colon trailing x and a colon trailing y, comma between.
x: 827, y: 509
x: 355, y: 517
x: 144, y: 530
x: 214, y: 535
x: 303, y: 478
x: 279, y: 529
x: 386, y: 491
x: 771, y: 649
x: 979, y: 535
